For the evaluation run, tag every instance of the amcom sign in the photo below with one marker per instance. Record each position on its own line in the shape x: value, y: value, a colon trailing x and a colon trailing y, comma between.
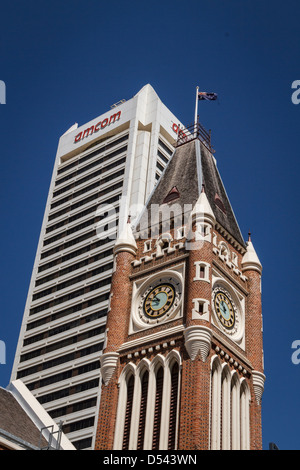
x: 2, y: 92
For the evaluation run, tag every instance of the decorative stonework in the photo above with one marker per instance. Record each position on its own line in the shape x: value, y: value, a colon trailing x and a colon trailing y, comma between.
x: 230, y: 359
x: 157, y: 254
x: 228, y: 259
x: 108, y: 363
x: 198, y: 340
x: 258, y: 379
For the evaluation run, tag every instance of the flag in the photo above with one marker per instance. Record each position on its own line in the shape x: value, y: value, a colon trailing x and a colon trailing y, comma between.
x: 202, y: 95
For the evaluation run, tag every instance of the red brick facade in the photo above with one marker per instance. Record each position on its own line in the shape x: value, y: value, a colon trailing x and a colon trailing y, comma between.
x: 243, y: 358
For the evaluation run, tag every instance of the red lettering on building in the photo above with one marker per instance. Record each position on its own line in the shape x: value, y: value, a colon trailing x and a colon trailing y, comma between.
x: 177, y: 130
x: 104, y: 123
x: 96, y: 129
x: 101, y: 124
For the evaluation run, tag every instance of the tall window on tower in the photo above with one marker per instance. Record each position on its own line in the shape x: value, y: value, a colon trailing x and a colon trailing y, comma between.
x: 173, y: 406
x: 143, y: 409
x: 147, y: 414
x: 157, y: 409
x: 128, y: 412
x: 229, y: 417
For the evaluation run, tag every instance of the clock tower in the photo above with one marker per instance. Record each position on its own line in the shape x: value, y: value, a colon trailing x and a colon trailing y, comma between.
x: 182, y: 367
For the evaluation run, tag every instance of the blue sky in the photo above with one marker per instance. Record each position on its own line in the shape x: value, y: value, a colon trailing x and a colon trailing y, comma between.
x: 66, y: 62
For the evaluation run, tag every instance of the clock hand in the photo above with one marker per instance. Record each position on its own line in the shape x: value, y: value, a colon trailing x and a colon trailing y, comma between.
x: 224, y: 308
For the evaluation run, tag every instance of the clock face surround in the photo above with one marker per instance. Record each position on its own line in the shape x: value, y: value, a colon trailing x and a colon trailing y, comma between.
x: 159, y: 300
x: 225, y: 309
x: 227, y: 312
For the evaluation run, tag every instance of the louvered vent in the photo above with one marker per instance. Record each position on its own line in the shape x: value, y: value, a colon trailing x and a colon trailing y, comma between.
x: 130, y: 388
x: 173, y: 406
x: 143, y: 409
x: 158, y: 407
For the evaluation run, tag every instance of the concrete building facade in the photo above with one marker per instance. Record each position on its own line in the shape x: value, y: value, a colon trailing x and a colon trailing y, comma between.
x: 103, y: 173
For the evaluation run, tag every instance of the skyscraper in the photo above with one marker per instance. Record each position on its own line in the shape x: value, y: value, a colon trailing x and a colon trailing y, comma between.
x: 104, y: 172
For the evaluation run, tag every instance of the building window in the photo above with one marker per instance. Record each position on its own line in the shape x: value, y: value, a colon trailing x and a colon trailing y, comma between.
x: 159, y: 166
x: 147, y: 415
x: 158, y: 408
x: 147, y: 245
x: 230, y: 399
x: 165, y: 147
x: 173, y: 406
x: 200, y: 309
x: 245, y: 419
x: 162, y: 156
x: 202, y: 271
x: 143, y: 409
x: 128, y: 412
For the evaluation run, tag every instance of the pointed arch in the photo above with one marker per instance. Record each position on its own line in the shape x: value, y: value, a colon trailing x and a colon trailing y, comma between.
x: 174, y: 401
x: 225, y: 407
x: 235, y: 411
x: 216, y: 374
x: 125, y: 402
x: 173, y: 364
x: 173, y: 356
x: 157, y: 363
x: 148, y: 406
x: 159, y: 374
x: 141, y: 399
x: 245, y: 418
x: 128, y: 411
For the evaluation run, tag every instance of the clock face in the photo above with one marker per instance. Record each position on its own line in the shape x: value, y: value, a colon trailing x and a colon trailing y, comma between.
x: 225, y: 309
x: 159, y: 300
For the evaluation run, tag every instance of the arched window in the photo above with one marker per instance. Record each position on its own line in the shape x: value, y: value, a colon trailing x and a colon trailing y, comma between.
x: 143, y: 409
x: 245, y: 420
x: 216, y: 404
x: 147, y: 413
x: 158, y: 408
x: 235, y: 412
x: 230, y: 399
x: 173, y: 406
x: 128, y: 412
x: 226, y: 388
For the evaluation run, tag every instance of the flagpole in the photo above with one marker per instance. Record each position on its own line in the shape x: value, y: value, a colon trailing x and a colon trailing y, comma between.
x: 196, y: 109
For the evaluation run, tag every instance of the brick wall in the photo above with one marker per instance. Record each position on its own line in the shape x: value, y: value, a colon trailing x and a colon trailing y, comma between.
x: 195, y: 379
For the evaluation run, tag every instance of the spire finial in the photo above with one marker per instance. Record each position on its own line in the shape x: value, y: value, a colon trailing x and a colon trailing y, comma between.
x: 249, y: 236
x: 129, y: 219
x: 203, y: 188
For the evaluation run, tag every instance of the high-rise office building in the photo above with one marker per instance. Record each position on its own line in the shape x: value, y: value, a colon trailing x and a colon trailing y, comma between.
x: 104, y: 171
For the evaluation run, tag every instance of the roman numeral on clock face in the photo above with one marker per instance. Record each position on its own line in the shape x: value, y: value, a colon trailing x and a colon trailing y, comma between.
x: 224, y: 310
x: 159, y: 300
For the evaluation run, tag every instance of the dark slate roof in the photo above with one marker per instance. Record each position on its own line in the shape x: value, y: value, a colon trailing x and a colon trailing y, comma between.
x: 15, y: 421
x: 191, y: 166
x: 215, y: 192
